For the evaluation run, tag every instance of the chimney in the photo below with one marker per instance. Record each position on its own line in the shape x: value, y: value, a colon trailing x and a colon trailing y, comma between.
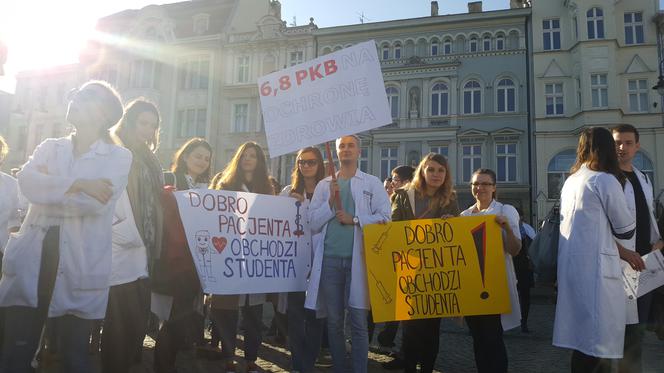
x: 475, y: 7
x: 434, y: 8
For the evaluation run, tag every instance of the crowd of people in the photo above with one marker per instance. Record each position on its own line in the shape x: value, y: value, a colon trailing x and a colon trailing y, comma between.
x: 102, y: 240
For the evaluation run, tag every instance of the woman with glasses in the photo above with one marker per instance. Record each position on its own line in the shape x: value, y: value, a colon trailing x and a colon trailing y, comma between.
x: 487, y: 330
x: 58, y: 265
x: 430, y: 195
x: 305, y: 330
x: 591, y: 310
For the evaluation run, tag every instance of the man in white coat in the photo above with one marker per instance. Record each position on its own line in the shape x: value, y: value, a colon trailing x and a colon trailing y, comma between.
x: 339, y: 273
x: 639, y: 198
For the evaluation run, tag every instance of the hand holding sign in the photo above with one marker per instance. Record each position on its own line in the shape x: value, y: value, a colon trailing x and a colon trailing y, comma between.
x: 436, y: 268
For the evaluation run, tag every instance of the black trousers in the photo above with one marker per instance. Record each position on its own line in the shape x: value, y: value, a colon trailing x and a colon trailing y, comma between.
x: 524, y: 302
x: 420, y: 344
x: 178, y: 332
x: 488, y: 344
x: 125, y: 325
x: 582, y: 363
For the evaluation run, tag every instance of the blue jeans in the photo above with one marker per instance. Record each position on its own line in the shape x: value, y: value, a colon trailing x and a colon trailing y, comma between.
x: 22, y: 333
x: 335, y: 287
x: 305, y: 333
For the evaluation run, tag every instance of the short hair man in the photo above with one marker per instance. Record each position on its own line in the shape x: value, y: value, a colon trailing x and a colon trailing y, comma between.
x: 402, y: 175
x: 339, y: 209
x: 639, y: 196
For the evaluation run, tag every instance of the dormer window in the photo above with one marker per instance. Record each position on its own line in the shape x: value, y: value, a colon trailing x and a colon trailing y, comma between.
x: 201, y: 24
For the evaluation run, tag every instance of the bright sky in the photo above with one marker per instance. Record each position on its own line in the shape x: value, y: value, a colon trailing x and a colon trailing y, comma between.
x: 43, y: 33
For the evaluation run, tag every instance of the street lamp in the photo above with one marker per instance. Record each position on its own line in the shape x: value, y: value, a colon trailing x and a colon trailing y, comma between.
x: 659, y: 22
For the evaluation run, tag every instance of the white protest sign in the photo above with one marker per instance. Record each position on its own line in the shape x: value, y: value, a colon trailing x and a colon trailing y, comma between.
x: 338, y: 94
x: 244, y: 243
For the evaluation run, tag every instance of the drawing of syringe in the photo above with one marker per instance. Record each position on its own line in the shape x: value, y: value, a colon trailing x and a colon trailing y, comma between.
x: 377, y: 247
x: 383, y: 293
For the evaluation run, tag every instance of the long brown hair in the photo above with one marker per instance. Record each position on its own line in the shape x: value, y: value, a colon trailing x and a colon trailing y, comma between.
x: 445, y: 193
x: 179, y: 167
x: 128, y: 122
x: 232, y: 177
x: 597, y: 150
x: 297, y: 179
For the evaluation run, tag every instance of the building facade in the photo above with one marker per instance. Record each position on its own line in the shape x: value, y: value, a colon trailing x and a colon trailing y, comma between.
x: 456, y: 84
x: 594, y: 63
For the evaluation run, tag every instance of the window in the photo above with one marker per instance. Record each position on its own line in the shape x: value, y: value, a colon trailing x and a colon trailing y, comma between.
x: 447, y: 46
x: 486, y: 43
x: 296, y: 58
x: 388, y: 160
x: 637, y: 91
x: 434, y: 48
x: 194, y: 74
x: 575, y: 22
x: 364, y: 159
x: 472, y: 47
x: 599, y: 90
x: 440, y: 149
x: 500, y: 42
x: 553, y: 94
x: 201, y: 24
x: 386, y: 52
x: 393, y: 100
x: 506, y: 162
x: 240, y: 112
x: 191, y: 123
x: 644, y: 164
x: 633, y: 28
x: 472, y: 97
x: 397, y: 51
x: 439, y: 99
x: 145, y: 74
x: 471, y: 160
x: 551, y: 34
x: 506, y: 96
x: 242, y: 69
x: 595, y: 23
x: 558, y: 171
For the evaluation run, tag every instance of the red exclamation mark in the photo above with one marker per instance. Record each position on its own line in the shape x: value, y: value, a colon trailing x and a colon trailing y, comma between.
x: 479, y: 237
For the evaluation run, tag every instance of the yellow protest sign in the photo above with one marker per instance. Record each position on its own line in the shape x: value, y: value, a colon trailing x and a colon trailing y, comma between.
x: 427, y: 268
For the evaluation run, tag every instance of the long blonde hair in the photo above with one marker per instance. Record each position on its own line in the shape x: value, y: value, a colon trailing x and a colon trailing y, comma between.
x: 445, y: 193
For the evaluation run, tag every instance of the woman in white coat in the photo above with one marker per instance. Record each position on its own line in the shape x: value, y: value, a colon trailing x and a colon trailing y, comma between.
x: 59, y: 263
x: 591, y: 308
x: 487, y: 330
x: 305, y: 330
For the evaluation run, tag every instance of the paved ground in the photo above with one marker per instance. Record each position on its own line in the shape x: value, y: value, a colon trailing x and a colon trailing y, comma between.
x: 527, y: 352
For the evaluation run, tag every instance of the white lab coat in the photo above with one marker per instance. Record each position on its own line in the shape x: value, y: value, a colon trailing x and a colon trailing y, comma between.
x: 9, y: 207
x: 513, y: 319
x: 130, y: 258
x: 591, y: 311
x: 372, y: 206
x: 82, y: 280
x: 632, y: 308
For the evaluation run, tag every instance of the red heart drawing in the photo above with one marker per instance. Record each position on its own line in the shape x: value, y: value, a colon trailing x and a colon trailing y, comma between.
x: 219, y: 243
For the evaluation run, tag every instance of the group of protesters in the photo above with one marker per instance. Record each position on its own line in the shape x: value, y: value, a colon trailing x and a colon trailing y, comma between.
x: 102, y: 240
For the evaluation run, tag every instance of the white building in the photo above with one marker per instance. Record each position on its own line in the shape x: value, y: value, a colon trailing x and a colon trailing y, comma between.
x: 594, y: 63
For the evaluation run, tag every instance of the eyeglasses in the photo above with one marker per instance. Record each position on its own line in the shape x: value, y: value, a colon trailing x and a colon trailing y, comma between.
x: 482, y: 184
x: 308, y: 162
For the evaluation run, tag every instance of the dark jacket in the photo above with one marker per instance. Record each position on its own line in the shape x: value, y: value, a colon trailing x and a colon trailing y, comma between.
x: 402, y: 209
